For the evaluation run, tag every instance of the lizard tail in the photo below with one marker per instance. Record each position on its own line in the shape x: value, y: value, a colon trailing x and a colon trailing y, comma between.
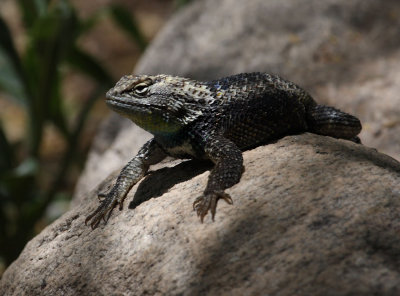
x: 328, y: 121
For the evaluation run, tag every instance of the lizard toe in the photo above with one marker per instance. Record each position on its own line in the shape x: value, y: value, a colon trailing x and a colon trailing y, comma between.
x: 103, y: 211
x: 209, y: 202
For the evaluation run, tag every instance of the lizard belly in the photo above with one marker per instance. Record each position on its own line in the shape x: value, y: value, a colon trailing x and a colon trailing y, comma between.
x: 183, y: 150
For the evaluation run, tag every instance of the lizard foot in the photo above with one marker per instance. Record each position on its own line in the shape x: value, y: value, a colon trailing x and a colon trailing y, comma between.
x: 108, y: 201
x: 209, y: 202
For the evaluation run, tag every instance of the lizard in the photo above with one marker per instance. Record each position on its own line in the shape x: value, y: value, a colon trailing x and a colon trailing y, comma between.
x: 215, y: 120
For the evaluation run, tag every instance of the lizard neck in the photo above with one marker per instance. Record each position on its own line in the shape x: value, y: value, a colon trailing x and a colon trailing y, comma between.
x: 155, y: 123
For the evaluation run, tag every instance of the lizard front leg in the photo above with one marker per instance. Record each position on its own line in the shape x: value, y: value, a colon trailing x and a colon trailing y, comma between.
x: 227, y: 171
x: 149, y: 154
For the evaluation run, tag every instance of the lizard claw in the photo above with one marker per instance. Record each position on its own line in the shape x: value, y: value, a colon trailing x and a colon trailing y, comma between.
x: 209, y: 202
x: 108, y: 201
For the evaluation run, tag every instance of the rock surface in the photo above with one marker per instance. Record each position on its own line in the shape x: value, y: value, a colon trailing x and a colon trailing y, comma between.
x: 345, y: 53
x: 312, y: 215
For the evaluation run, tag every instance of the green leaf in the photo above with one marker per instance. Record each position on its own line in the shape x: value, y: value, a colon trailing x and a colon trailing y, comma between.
x: 10, y: 81
x: 51, y: 37
x: 17, y: 184
x: 7, y: 156
x: 127, y: 22
x: 88, y: 23
x: 56, y: 109
x: 31, y: 10
x: 29, y: 167
x: 7, y: 44
x: 180, y: 3
x: 11, y: 74
x: 89, y: 65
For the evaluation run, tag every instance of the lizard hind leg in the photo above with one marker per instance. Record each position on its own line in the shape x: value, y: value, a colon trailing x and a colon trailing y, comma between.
x: 328, y: 121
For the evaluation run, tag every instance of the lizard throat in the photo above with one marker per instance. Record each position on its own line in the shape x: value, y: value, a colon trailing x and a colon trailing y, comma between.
x: 151, y: 118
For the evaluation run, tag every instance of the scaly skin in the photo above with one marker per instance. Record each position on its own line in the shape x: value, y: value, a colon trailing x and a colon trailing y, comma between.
x: 214, y: 120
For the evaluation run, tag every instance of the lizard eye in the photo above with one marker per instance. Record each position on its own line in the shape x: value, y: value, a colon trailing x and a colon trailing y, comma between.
x: 141, y: 89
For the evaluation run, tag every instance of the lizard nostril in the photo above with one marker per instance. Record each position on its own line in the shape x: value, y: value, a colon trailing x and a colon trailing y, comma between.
x: 110, y: 93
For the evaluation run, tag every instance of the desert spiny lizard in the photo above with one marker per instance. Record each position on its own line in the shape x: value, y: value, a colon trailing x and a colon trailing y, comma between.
x: 214, y: 120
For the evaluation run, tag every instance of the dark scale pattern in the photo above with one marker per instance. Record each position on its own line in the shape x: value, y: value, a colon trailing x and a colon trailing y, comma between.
x: 213, y: 120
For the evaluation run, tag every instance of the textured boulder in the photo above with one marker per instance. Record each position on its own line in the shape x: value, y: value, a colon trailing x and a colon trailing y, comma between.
x: 311, y: 216
x: 345, y: 53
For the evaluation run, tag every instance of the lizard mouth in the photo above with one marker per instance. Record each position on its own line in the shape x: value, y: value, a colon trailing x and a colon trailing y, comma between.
x: 148, y: 116
x: 128, y: 105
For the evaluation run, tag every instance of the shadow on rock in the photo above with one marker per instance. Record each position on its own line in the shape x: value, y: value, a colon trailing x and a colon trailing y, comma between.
x: 158, y: 182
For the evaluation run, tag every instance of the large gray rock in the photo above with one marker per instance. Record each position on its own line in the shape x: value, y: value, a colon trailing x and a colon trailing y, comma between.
x: 309, y: 41
x: 345, y: 53
x: 311, y: 216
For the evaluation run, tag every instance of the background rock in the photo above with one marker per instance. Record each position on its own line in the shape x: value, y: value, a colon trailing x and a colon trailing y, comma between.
x: 311, y: 216
x: 345, y: 53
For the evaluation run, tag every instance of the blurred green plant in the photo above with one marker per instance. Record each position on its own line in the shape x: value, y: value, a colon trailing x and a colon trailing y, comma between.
x: 180, y: 3
x: 33, y: 80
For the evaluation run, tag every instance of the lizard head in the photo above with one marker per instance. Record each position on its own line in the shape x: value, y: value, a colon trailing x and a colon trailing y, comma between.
x: 161, y: 103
